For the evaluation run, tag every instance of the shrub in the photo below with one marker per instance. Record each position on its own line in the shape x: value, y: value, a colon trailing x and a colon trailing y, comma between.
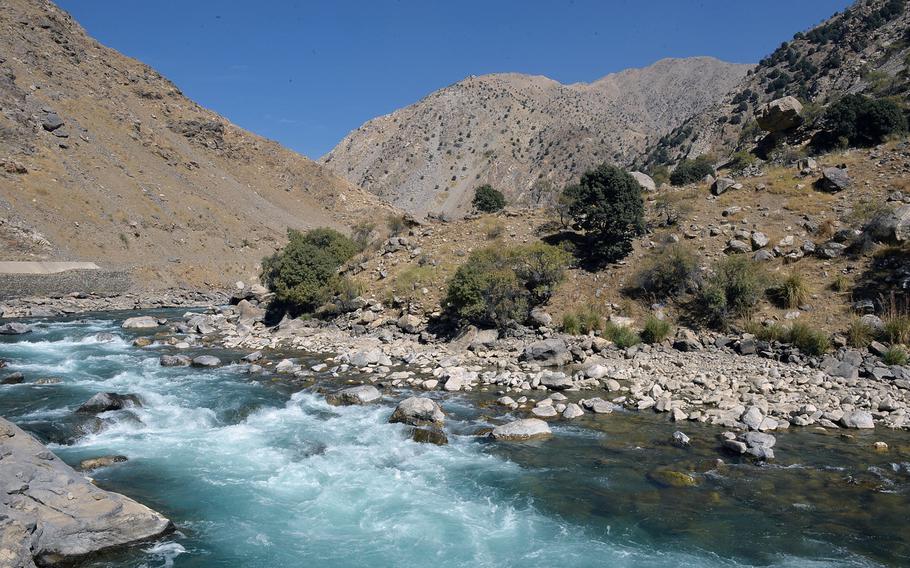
x: 655, y: 330
x: 488, y: 200
x: 304, y: 274
x: 859, y: 333
x: 362, y: 233
x: 809, y: 340
x: 690, y: 171
x: 621, y: 336
x: 793, y: 291
x: 862, y: 121
x: 497, y: 286
x: 582, y: 321
x: 762, y: 332
x: 733, y: 290
x: 668, y: 272
x: 607, y: 205
x: 396, y: 224
x: 897, y: 327
x: 840, y: 284
x: 896, y: 355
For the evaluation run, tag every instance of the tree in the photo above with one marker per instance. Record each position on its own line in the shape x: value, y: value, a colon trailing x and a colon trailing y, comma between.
x: 488, y: 200
x: 862, y: 121
x: 689, y: 171
x: 304, y: 274
x: 607, y: 205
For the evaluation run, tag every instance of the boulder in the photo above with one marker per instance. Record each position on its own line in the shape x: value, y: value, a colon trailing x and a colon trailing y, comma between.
x: 140, y: 322
x: 556, y: 381
x: 249, y: 313
x: 891, y: 227
x: 409, y: 323
x: 541, y: 318
x: 759, y: 240
x: 524, y: 429
x: 418, y: 411
x: 14, y: 328
x: 644, y: 180
x: 572, y: 411
x: 12, y: 379
x: 206, y: 361
x: 106, y: 401
x: 363, y: 394
x: 687, y: 340
x: 50, y: 514
x: 552, y: 352
x: 830, y: 250
x: 51, y: 121
x: 857, y: 419
x: 175, y: 361
x: 738, y: 246
x: 780, y: 115
x: 834, y: 180
x: 721, y: 185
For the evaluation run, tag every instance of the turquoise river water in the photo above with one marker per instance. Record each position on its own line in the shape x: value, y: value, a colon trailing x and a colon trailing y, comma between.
x: 256, y: 472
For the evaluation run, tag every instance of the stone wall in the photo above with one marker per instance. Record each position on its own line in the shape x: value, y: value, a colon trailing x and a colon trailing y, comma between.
x: 100, y: 282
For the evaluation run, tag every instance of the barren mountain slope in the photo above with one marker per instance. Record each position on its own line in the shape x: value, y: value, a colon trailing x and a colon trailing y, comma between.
x: 139, y: 177
x: 865, y: 49
x: 510, y: 130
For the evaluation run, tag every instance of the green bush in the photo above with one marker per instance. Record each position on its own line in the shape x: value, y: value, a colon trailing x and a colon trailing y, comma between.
x: 733, y: 290
x: 809, y: 340
x: 621, y: 336
x: 607, y: 205
x: 304, y: 274
x: 668, y: 272
x: 862, y: 121
x: 582, y: 321
x: 793, y: 291
x: 396, y: 224
x: 772, y: 332
x: 859, y: 333
x: 497, y: 286
x: 655, y: 330
x: 896, y: 355
x: 488, y: 200
x: 690, y: 171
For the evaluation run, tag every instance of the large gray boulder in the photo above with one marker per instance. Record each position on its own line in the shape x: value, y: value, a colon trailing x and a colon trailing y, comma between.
x: 547, y: 352
x: 834, y: 180
x: 857, y: 419
x: 556, y: 381
x: 524, y: 429
x: 892, y: 226
x: 644, y: 180
x: 206, y: 361
x: 14, y: 328
x: 106, y: 401
x: 363, y: 394
x: 780, y: 115
x: 174, y: 361
x: 53, y: 515
x: 249, y: 313
x: 140, y: 322
x: 418, y: 411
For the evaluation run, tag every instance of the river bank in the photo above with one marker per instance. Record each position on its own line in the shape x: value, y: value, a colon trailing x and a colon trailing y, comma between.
x: 257, y: 468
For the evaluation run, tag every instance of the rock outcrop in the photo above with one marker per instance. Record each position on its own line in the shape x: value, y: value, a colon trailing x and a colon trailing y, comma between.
x: 51, y: 514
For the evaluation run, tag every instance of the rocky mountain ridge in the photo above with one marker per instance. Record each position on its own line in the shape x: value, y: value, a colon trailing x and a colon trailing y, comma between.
x: 521, y: 133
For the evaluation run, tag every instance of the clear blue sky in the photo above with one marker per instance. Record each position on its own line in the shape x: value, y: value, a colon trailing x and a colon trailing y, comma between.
x: 306, y: 73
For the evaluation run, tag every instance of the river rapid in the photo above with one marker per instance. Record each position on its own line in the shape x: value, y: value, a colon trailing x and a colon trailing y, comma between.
x: 256, y: 471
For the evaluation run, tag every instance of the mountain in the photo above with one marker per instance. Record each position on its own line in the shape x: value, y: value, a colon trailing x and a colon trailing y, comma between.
x: 104, y: 160
x: 864, y: 49
x: 510, y: 130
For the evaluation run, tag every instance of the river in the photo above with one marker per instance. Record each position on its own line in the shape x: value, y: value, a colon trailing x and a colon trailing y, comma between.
x: 256, y: 472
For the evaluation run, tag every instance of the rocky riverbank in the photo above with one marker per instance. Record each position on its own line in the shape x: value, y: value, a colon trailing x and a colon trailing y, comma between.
x: 732, y: 382
x: 39, y: 307
x: 51, y: 514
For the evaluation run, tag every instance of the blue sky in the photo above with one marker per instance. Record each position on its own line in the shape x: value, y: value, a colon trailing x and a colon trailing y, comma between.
x: 306, y: 73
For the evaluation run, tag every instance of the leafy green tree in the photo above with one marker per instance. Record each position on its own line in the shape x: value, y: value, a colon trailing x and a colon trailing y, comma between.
x: 607, y: 205
x: 304, y: 274
x: 488, y: 199
x: 862, y: 121
x: 497, y: 286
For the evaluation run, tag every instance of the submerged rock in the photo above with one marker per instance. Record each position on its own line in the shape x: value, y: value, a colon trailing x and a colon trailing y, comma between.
x: 363, y: 394
x: 429, y: 436
x: 418, y: 411
x: 524, y: 429
x: 12, y: 379
x: 99, y: 462
x: 671, y: 478
x: 175, y: 361
x: 106, y: 401
x: 58, y: 516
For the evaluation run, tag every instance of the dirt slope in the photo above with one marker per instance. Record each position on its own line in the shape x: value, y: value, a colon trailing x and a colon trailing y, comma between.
x: 139, y: 177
